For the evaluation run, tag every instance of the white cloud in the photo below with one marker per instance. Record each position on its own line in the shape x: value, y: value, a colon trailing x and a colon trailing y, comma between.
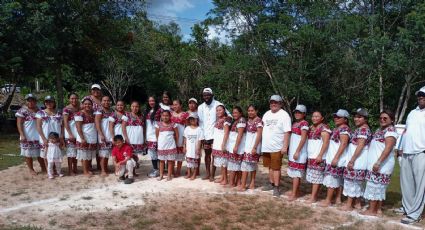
x: 215, y: 32
x: 170, y: 8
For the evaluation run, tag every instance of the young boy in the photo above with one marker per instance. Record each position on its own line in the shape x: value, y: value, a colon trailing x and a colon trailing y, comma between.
x: 122, y: 157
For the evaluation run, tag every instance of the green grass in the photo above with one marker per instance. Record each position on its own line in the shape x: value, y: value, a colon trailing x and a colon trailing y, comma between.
x: 394, y: 190
x: 9, y: 151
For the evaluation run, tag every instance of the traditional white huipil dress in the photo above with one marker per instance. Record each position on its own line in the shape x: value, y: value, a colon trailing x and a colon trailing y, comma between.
x: 116, y: 120
x: 193, y: 136
x: 54, y: 153
x: 31, y: 146
x: 151, y: 141
x: 220, y: 155
x: 135, y: 132
x: 235, y: 159
x: 96, y: 106
x: 167, y: 148
x: 71, y: 145
x: 180, y: 120
x: 249, y: 161
x: 377, y: 182
x: 49, y: 124
x: 315, y: 170
x: 86, y: 151
x: 296, y: 168
x: 105, y: 148
x: 353, y: 179
x: 334, y: 177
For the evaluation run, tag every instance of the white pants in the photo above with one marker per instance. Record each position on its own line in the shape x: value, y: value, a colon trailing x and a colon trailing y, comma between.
x: 50, y: 168
x: 129, y: 167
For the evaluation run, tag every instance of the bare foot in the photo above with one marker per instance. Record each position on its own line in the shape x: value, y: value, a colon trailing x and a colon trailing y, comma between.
x: 292, y: 198
x: 241, y: 189
x: 311, y: 201
x: 252, y: 186
x: 288, y: 193
x: 103, y: 174
x: 218, y: 180
x: 169, y: 178
x: 380, y: 212
x: 73, y: 174
x: 338, y: 202
x: 346, y: 208
x: 368, y: 213
x: 88, y: 174
x: 193, y: 178
x: 33, y: 173
x: 358, y: 206
x: 224, y: 183
x: 211, y: 179
x: 325, y: 203
x: 207, y: 177
x: 160, y: 178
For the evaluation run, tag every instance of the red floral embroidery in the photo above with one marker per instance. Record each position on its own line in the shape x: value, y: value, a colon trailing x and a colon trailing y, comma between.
x: 134, y: 120
x: 69, y: 112
x: 180, y: 118
x: 152, y: 144
x: 297, y: 166
x: 312, y: 164
x: 180, y: 150
x: 86, y: 146
x: 46, y: 118
x: 315, y: 133
x: 235, y: 157
x: 117, y: 120
x: 86, y: 119
x: 378, y: 178
x: 380, y: 133
x: 137, y: 148
x: 26, y: 114
x: 241, y: 120
x: 220, y: 122
x: 365, y: 131
x: 248, y: 157
x: 105, y: 145
x: 336, y: 132
x: 334, y: 171
x: 297, y: 126
x: 166, y: 128
x: 105, y: 114
x: 29, y: 144
x: 166, y: 152
x: 191, y: 160
x: 253, y: 124
x: 219, y: 153
x: 354, y: 174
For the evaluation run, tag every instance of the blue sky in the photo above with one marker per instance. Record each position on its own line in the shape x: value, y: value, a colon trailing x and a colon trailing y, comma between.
x: 184, y: 12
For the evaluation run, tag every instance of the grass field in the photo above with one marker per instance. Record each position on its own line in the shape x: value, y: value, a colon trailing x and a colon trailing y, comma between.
x: 9, y: 151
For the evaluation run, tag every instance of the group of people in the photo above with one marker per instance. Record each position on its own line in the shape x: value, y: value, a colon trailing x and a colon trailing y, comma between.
x: 355, y: 163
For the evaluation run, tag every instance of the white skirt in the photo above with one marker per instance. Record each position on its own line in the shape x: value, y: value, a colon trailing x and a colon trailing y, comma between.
x: 332, y: 182
x: 86, y: 154
x: 375, y: 191
x: 353, y: 188
x: 248, y: 166
x: 315, y: 176
x: 292, y: 173
x: 220, y: 162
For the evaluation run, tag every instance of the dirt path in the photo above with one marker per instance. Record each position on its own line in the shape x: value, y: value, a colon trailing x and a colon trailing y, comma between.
x: 104, y: 203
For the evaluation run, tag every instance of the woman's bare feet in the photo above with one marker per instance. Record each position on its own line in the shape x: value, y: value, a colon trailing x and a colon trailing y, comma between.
x: 325, y: 203
x: 346, y: 208
x: 33, y: 173
x: 368, y: 212
x: 288, y: 193
x: 252, y: 186
x: 207, y: 177
x: 103, y: 174
x: 311, y: 200
x: 193, y: 177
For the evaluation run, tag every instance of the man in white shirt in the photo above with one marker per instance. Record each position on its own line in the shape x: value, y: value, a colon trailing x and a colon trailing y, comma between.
x: 207, y: 118
x: 275, y: 141
x: 412, y: 165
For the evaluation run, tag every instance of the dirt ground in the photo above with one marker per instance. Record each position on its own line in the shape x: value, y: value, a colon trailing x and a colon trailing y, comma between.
x: 77, y: 202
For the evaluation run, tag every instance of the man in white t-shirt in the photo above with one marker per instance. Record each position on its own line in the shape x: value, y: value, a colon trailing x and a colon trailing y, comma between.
x: 275, y: 141
x: 412, y: 164
x: 207, y: 118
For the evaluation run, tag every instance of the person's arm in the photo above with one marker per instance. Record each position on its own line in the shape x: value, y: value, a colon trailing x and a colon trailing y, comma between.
x: 343, y: 138
x: 124, y: 129
x: 67, y: 127
x: 286, y: 137
x: 225, y: 137
x: 79, y: 126
x: 257, y: 140
x: 62, y: 135
x: 390, y: 141
x: 156, y: 132
x: 40, y: 131
x: 360, y: 146
x: 111, y: 124
x: 184, y: 144
x: 20, y: 125
x: 304, y: 136
x: 98, y: 123
x: 176, y: 134
x: 326, y: 140
x: 238, y: 139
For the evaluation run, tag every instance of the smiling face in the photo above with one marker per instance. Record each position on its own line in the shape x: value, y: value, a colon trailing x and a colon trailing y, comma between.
x: 135, y: 107
x: 299, y: 116
x: 50, y: 104
x: 177, y: 106
x: 95, y: 92
x: 120, y: 106
x: 207, y: 97
x: 385, y: 120
x: 193, y: 106
x: 32, y: 103
x: 87, y: 105
x: 252, y: 113
x: 339, y: 120
x: 359, y: 120
x: 165, y: 99
x: 236, y: 114
x: 165, y: 116
x: 220, y: 111
x: 151, y: 102
x: 106, y: 102
x: 73, y: 100
x: 317, y: 118
x: 275, y: 106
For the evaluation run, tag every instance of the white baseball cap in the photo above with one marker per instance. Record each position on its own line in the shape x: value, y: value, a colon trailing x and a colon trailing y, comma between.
x: 301, y: 108
x: 193, y: 99
x: 207, y: 90
x: 362, y: 112
x: 29, y: 96
x: 421, y: 90
x: 49, y: 98
x: 193, y: 115
x: 95, y: 86
x: 342, y: 113
x: 276, y: 98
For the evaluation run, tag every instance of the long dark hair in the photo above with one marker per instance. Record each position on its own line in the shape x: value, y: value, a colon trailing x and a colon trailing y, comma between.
x: 148, y: 115
x: 224, y: 108
x: 239, y: 109
x: 390, y: 113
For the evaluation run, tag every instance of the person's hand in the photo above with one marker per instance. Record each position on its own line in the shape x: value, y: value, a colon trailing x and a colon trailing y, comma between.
x: 376, y: 167
x: 223, y: 148
x: 350, y: 165
x: 399, y: 152
x: 62, y: 143
x: 335, y: 162
x: 235, y: 149
x: 198, y: 153
x: 296, y: 155
x: 184, y: 149
x: 45, y: 142
x: 254, y: 151
x: 319, y: 159
x: 284, y: 151
x: 23, y: 138
x: 71, y: 138
x: 83, y: 141
x: 117, y: 168
x: 102, y: 138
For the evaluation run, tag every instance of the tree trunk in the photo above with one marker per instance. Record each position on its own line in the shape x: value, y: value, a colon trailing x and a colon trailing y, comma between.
x: 9, y: 99
x: 400, y: 103
x: 405, y: 103
x: 59, y: 87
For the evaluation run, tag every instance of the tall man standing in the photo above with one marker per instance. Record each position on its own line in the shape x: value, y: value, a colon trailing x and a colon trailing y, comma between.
x: 412, y: 168
x: 276, y: 132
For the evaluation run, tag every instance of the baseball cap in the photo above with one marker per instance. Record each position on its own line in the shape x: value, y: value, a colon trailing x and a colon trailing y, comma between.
x: 301, y: 108
x: 95, y: 86
x: 193, y: 99
x: 49, y: 98
x: 362, y: 112
x: 29, y: 96
x: 193, y: 115
x: 342, y: 113
x: 421, y: 92
x: 276, y: 98
x: 207, y: 90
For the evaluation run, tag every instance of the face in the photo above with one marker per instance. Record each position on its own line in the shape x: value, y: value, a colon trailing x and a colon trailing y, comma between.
x: 219, y: 111
x: 384, y: 120
x: 193, y: 106
x: 87, y: 105
x: 177, y: 106
x: 299, y: 116
x: 73, y: 100
x: 118, y: 143
x: 207, y: 97
x: 359, y: 120
x: 339, y: 120
x: 151, y: 102
x: 236, y: 114
x: 96, y: 92
x: 165, y: 116
x: 252, y: 113
x: 50, y: 104
x: 120, y: 106
x: 31, y: 103
x: 53, y: 140
x: 165, y: 99
x: 106, y: 102
x: 193, y: 121
x: 317, y: 118
x: 135, y: 107
x: 421, y: 101
x: 275, y: 106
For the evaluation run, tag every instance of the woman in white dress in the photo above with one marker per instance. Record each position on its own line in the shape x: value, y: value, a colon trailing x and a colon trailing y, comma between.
x: 297, y: 155
x: 236, y: 147
x: 115, y: 119
x: 133, y: 126
x: 167, y: 135
x: 28, y: 135
x: 152, y: 116
x: 48, y: 120
x: 104, y: 135
x: 165, y: 103
x: 335, y: 157
x: 87, y: 135
x: 252, y: 148
x: 380, y: 162
x: 356, y: 162
x: 71, y: 132
x: 318, y: 143
x: 179, y: 117
x: 221, y: 134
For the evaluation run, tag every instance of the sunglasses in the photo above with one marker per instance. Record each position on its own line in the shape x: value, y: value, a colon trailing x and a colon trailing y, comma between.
x: 383, y: 118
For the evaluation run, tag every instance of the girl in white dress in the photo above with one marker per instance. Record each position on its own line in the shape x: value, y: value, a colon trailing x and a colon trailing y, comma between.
x: 48, y: 120
x: 252, y: 148
x: 28, y: 135
x: 356, y: 163
x: 104, y: 135
x: 167, y: 135
x: 152, y: 116
x: 380, y: 163
x: 318, y: 143
x: 115, y: 119
x: 193, y: 137
x: 87, y: 135
x: 179, y: 117
x: 71, y: 132
x: 335, y: 157
x: 133, y: 125
x: 221, y: 134
x: 297, y: 155
x: 53, y: 155
x: 236, y: 146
